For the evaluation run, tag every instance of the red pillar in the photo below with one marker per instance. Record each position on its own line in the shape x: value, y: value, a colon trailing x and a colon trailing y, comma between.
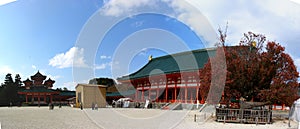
x: 26, y: 98
x: 197, y: 91
x: 136, y: 94
x: 166, y: 99
x: 185, y: 92
x: 51, y: 98
x: 172, y: 94
x: 143, y: 92
x: 32, y: 98
x: 45, y: 98
x: 60, y: 98
x: 282, y: 106
x: 39, y: 98
x: 175, y: 90
x: 191, y: 97
x: 181, y: 95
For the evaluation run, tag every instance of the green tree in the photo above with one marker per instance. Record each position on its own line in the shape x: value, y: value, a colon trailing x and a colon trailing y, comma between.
x: 8, y: 79
x: 102, y: 81
x: 65, y: 89
x: 9, y: 92
x: 18, y: 81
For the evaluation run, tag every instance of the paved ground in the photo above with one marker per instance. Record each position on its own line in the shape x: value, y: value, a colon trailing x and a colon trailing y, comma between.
x: 108, y: 118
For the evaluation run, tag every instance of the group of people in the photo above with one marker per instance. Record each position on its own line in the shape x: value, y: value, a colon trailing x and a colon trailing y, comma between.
x: 121, y: 103
x: 51, y: 106
x: 94, y: 106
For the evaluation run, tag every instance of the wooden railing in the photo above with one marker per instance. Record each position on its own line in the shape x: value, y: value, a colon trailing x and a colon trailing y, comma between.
x: 244, y: 115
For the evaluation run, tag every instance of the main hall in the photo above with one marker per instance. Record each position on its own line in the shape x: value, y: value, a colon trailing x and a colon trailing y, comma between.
x: 170, y: 78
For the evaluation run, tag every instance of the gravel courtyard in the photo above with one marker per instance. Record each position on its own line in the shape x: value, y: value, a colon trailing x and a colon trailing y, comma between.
x: 109, y: 118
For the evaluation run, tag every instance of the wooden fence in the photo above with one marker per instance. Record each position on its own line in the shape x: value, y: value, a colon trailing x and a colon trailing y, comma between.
x: 263, y: 116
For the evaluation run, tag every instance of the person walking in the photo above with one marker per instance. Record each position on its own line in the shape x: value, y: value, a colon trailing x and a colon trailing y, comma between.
x: 93, y: 106
x: 81, y: 106
x: 96, y: 106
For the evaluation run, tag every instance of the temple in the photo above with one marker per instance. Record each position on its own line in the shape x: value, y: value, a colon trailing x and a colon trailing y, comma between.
x: 38, y: 91
x: 171, y: 78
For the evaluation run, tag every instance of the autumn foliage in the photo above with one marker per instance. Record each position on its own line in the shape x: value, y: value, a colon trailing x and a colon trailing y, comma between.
x: 253, y: 70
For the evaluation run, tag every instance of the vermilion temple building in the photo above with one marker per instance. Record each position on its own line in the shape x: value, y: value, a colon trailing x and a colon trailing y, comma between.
x: 38, y: 91
x: 170, y: 78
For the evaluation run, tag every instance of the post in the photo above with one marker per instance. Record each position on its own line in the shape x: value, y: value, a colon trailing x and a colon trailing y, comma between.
x: 195, y: 118
x: 268, y: 117
x: 241, y: 115
x: 256, y: 120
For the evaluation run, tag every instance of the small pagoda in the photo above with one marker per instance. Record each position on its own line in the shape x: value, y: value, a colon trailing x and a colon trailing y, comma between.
x: 38, y: 90
x: 37, y: 80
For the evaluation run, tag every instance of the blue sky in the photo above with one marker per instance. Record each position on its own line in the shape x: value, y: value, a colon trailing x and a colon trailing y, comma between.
x: 63, y: 40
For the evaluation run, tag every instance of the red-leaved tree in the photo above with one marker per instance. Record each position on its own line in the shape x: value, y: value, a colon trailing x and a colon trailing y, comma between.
x: 252, y: 71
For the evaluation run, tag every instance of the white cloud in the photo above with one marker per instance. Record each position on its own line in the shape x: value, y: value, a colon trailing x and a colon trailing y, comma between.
x: 296, y: 1
x: 33, y: 66
x: 3, y: 2
x: 105, y: 57
x: 137, y: 24
x: 277, y: 19
x: 243, y: 16
x: 119, y: 7
x: 195, y: 20
x: 72, y: 58
x: 72, y: 85
x: 53, y: 77
x: 183, y: 10
x: 103, y: 66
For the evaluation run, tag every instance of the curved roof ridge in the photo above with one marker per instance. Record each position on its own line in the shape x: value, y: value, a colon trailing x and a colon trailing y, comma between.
x: 187, y: 52
x: 177, y: 62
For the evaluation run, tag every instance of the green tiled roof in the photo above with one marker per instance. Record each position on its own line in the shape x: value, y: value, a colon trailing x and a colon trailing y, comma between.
x: 67, y: 93
x: 42, y: 89
x: 37, y: 89
x: 174, y: 63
